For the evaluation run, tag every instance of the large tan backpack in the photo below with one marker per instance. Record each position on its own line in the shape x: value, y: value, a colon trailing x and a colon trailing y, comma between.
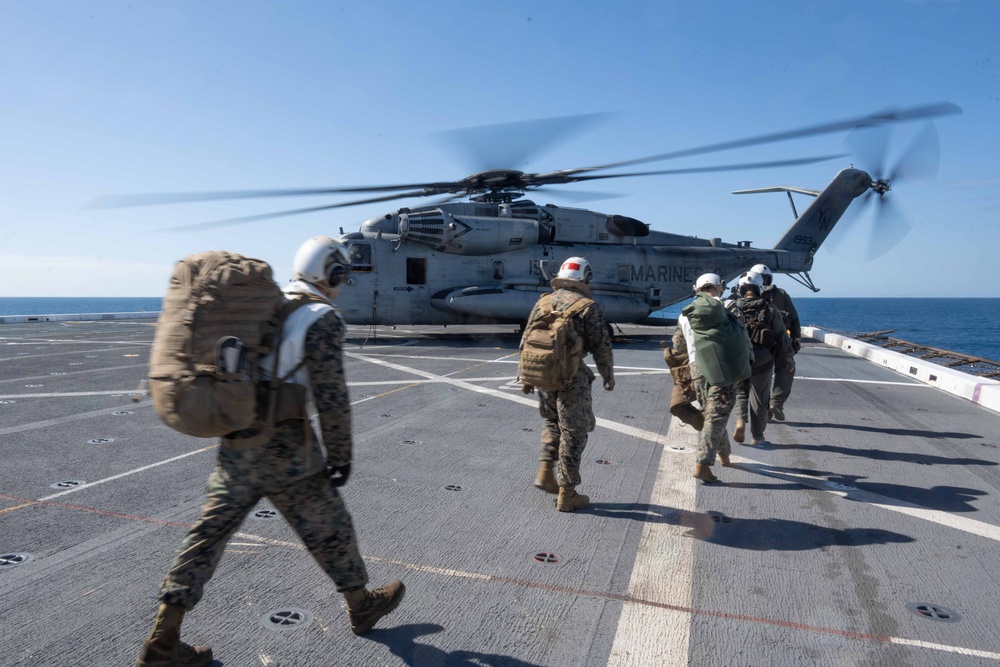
x: 551, y: 349
x: 213, y: 298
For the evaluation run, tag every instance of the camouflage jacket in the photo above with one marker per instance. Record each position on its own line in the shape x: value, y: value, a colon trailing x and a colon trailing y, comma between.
x: 325, y: 362
x: 780, y: 299
x: 293, y: 451
x: 590, y: 325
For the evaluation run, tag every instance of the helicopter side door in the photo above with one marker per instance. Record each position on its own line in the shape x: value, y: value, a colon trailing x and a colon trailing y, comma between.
x: 359, y: 300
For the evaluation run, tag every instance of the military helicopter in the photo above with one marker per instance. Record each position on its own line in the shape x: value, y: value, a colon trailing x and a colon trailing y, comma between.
x: 488, y: 259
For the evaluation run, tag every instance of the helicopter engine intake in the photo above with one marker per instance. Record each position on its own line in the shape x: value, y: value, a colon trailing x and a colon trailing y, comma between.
x: 467, y: 234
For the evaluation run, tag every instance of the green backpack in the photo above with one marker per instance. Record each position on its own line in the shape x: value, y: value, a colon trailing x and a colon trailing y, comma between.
x: 719, y: 341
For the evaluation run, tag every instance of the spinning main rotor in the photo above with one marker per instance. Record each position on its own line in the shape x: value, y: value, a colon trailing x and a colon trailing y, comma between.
x: 505, y: 185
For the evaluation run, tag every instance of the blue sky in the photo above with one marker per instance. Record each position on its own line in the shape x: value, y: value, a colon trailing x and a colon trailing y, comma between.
x: 103, y: 98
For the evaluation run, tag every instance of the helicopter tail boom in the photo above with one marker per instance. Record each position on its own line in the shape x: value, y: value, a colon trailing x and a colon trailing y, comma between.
x: 811, y: 228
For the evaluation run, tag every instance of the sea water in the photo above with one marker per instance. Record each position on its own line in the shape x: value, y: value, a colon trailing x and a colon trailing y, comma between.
x: 970, y: 326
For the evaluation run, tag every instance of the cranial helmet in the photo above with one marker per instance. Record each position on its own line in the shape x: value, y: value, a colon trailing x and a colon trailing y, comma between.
x: 321, y: 261
x: 709, y: 279
x: 751, y: 280
x: 765, y: 273
x: 576, y: 268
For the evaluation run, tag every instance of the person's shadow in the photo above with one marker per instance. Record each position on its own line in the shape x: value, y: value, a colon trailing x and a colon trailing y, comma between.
x: 916, y: 433
x: 944, y: 498
x: 401, y: 641
x: 879, y: 454
x: 751, y: 534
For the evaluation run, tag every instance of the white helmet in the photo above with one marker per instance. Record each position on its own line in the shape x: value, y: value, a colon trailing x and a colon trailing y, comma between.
x: 765, y: 273
x: 576, y: 268
x: 709, y: 279
x: 752, y: 279
x: 322, y: 261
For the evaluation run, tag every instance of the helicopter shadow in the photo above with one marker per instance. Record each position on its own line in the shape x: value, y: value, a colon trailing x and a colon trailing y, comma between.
x: 917, y: 433
x: 751, y: 534
x: 879, y: 454
x: 402, y: 642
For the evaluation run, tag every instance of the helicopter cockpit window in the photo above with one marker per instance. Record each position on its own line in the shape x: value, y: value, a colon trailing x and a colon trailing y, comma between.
x: 361, y: 256
x: 416, y: 271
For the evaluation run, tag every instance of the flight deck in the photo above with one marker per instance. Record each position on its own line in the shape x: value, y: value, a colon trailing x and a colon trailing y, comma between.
x: 864, y: 533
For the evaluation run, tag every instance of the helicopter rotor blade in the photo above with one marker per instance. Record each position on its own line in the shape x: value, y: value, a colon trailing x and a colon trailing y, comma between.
x: 156, y: 199
x: 702, y: 170
x: 890, y: 116
x: 921, y: 158
x: 579, y: 195
x: 849, y: 221
x: 284, y: 214
x: 510, y: 145
x: 889, y: 229
x: 871, y: 144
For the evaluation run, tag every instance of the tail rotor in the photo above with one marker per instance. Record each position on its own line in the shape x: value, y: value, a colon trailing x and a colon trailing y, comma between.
x: 920, y: 160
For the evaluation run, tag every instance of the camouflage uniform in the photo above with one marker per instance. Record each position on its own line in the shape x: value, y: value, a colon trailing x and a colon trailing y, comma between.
x: 783, y: 377
x: 567, y: 414
x: 717, y: 404
x: 290, y: 470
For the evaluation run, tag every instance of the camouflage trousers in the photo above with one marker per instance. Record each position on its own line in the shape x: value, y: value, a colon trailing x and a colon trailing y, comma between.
x: 782, y: 385
x: 568, y: 416
x: 717, y: 403
x: 756, y: 390
x: 312, y: 507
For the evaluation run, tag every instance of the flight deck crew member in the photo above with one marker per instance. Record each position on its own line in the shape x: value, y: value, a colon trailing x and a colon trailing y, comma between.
x: 567, y: 414
x: 784, y: 374
x: 298, y: 469
x: 716, y: 345
x: 772, y: 348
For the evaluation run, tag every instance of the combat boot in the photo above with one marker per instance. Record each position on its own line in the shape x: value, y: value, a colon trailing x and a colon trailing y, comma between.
x: 365, y: 608
x: 775, y: 413
x: 740, y: 432
x: 704, y: 473
x: 724, y: 460
x: 546, y: 479
x: 164, y: 647
x: 570, y: 500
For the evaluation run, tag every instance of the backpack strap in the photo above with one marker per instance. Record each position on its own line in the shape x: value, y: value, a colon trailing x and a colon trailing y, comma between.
x: 578, y: 306
x: 267, y: 427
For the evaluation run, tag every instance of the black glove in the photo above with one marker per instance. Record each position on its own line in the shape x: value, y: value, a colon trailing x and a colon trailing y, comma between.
x: 338, y: 475
x: 796, y: 344
x: 527, y: 389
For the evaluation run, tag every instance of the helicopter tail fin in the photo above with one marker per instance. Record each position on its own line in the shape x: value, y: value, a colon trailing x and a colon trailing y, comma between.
x: 811, y: 228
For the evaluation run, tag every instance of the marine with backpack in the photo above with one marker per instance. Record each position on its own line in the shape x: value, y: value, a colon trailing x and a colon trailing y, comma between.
x: 260, y: 359
x: 563, y: 327
x: 771, y: 347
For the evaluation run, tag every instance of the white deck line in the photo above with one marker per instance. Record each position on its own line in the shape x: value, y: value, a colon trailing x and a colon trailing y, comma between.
x: 649, y: 635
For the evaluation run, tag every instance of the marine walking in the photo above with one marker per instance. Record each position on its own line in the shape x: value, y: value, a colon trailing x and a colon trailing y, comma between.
x: 784, y: 374
x: 772, y: 349
x: 716, y: 345
x: 564, y: 326
x: 297, y: 454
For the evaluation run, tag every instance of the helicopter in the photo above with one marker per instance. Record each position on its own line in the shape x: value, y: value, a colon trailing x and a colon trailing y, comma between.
x: 487, y: 260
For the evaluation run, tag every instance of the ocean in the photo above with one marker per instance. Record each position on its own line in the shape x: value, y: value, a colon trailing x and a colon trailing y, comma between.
x: 970, y: 326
